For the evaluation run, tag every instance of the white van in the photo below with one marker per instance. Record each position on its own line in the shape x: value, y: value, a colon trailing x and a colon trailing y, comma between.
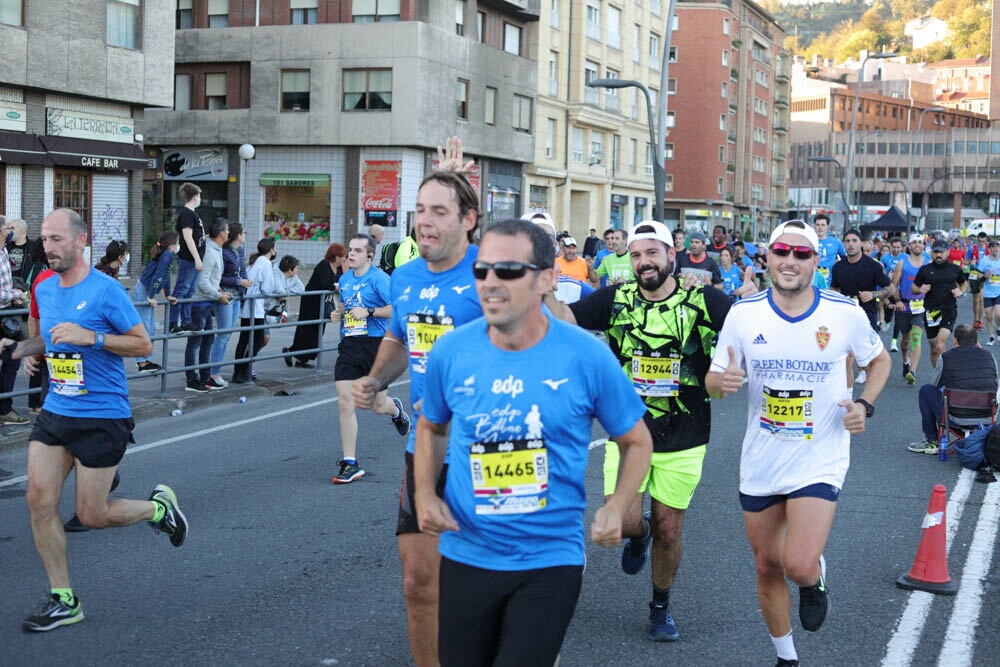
x: 988, y: 225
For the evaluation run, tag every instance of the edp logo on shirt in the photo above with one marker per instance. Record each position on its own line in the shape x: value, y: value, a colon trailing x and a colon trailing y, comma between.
x: 510, y: 385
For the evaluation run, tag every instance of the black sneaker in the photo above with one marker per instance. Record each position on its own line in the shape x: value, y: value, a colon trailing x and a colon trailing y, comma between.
x: 148, y: 367
x: 786, y: 663
x: 173, y: 523
x: 177, y: 330
x: 402, y: 422
x: 54, y: 613
x: 348, y: 473
x: 637, y: 549
x: 287, y: 358
x: 197, y: 386
x: 213, y: 385
x: 814, y: 602
x: 191, y: 328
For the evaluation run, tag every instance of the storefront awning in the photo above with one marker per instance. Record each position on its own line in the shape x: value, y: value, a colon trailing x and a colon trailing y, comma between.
x: 295, y: 180
x: 70, y: 152
x: 18, y: 148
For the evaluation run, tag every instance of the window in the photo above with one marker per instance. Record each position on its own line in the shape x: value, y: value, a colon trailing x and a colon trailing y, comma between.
x: 554, y: 13
x: 668, y: 151
x: 522, y: 113
x: 553, y: 74
x: 185, y: 14
x: 636, y: 41
x: 722, y: 122
x: 490, y: 101
x: 722, y: 153
x: 367, y: 89
x: 633, y: 152
x: 673, y: 55
x: 594, y: 19
x: 550, y: 136
x: 668, y: 185
x: 722, y: 185
x: 304, y: 12
x: 760, y: 106
x: 480, y: 20
x: 725, y: 90
x: 614, y: 39
x: 125, y: 23
x: 761, y: 77
x: 649, y: 159
x: 372, y: 11
x: 671, y: 119
x: 182, y: 92
x: 596, y: 147
x: 611, y: 94
x: 462, y: 99
x: 577, y: 153
x: 215, y: 91
x: 725, y: 57
x: 725, y: 26
x: 676, y: 24
x: 295, y: 90
x: 759, y: 135
x: 654, y: 51
x: 590, y: 95
x: 459, y: 17
x: 758, y: 163
x: 71, y: 189
x: 218, y: 13
x: 512, y: 39
x: 671, y: 86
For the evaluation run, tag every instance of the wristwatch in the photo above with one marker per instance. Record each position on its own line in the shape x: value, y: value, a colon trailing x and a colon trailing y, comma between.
x: 98, y: 340
x: 869, y: 408
x: 371, y: 312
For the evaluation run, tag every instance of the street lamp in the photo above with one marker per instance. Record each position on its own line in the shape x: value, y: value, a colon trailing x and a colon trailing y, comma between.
x: 246, y: 153
x: 909, y: 187
x: 659, y: 174
x: 854, y: 117
x: 840, y: 174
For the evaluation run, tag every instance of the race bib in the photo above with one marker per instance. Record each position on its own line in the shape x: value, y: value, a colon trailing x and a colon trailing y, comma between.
x: 917, y: 306
x: 353, y: 326
x: 509, y: 477
x: 421, y: 332
x: 825, y: 272
x: 66, y: 373
x: 933, y: 318
x: 787, y: 414
x: 995, y: 279
x: 975, y: 274
x: 656, y: 376
x: 957, y: 262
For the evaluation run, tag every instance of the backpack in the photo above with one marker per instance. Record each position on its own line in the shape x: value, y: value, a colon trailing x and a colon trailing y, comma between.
x: 971, y: 449
x: 991, y: 448
x: 388, y: 261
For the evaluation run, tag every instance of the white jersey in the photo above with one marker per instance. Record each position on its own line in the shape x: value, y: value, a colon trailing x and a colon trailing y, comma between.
x: 796, y: 371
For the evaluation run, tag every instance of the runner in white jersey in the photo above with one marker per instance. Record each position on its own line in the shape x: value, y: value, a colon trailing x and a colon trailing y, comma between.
x: 793, y: 340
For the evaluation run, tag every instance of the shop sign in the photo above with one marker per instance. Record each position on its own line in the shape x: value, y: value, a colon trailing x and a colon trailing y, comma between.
x: 209, y: 163
x: 66, y: 123
x: 13, y: 116
x: 619, y: 200
x: 381, y: 185
x: 641, y: 201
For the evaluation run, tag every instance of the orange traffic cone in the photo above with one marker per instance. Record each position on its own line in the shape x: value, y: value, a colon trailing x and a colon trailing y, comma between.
x: 930, y: 568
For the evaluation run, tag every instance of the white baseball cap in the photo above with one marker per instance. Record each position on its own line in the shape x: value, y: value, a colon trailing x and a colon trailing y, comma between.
x: 659, y: 233
x: 568, y: 241
x: 796, y: 228
x: 916, y: 237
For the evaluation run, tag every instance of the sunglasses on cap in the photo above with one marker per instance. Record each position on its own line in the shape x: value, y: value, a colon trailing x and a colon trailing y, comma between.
x: 799, y: 251
x: 502, y: 270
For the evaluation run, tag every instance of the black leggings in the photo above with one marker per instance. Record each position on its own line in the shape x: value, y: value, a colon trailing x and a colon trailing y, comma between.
x: 244, y: 343
x: 504, y: 619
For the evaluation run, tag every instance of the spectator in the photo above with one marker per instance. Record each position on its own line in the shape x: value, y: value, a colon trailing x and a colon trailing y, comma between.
x: 115, y: 255
x: 10, y: 297
x: 286, y: 283
x: 192, y: 235
x: 18, y: 249
x: 209, y: 297
x: 324, y: 277
x: 252, y: 311
x: 592, y: 244
x: 154, y: 279
x: 235, y: 281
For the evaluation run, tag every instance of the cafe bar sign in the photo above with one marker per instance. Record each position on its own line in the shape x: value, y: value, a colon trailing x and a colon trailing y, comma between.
x: 80, y: 125
x: 13, y: 117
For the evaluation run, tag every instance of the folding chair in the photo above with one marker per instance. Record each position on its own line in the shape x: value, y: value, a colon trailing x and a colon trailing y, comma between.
x: 974, y: 408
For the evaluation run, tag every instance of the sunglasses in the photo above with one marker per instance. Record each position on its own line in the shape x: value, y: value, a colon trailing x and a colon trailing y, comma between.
x: 503, y: 270
x: 799, y: 251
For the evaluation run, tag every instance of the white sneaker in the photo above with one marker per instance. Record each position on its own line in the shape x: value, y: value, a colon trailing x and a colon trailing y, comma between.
x: 991, y: 341
x: 220, y: 381
x: 893, y: 347
x: 862, y: 376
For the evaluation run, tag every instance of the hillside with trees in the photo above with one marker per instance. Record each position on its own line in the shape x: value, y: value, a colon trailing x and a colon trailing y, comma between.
x: 840, y: 30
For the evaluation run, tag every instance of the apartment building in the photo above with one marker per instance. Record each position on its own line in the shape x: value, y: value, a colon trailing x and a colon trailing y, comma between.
x: 75, y: 77
x: 963, y: 83
x: 339, y: 107
x: 593, y: 163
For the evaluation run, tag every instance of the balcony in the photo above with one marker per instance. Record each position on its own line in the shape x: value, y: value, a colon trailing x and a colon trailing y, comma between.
x: 780, y: 154
x: 781, y: 102
x: 731, y: 168
x: 779, y: 180
x: 781, y: 76
x: 732, y: 135
x: 780, y: 129
x: 734, y: 74
x: 734, y: 107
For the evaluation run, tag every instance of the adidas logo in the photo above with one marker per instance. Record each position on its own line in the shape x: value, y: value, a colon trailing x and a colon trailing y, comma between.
x: 759, y: 340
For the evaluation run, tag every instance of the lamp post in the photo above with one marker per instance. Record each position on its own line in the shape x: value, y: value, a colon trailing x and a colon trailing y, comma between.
x: 909, y: 174
x: 840, y: 174
x: 659, y: 174
x: 854, y: 117
x: 246, y: 152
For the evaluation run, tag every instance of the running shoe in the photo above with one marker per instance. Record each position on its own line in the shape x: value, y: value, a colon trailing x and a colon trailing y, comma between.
x: 197, y: 386
x: 147, y: 367
x: 13, y: 418
x: 173, y: 523
x: 213, y: 385
x: 348, y: 473
x: 786, y: 663
x: 637, y: 549
x: 923, y: 447
x: 402, y: 422
x: 894, y: 347
x: 661, y: 624
x: 862, y: 377
x: 991, y: 341
x: 814, y: 601
x: 910, y: 377
x: 220, y: 381
x: 54, y: 613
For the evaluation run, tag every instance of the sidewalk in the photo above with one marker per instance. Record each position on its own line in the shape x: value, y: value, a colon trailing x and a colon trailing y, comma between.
x: 273, y: 377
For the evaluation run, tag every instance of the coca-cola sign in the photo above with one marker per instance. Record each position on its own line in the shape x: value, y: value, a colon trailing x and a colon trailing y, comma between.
x: 381, y: 185
x: 379, y: 204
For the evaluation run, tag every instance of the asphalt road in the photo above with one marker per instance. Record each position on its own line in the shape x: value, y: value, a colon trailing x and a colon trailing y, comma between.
x: 283, y: 568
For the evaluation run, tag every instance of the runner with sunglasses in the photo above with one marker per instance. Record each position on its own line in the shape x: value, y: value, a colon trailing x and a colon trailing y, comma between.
x: 511, y: 398
x: 940, y: 283
x: 793, y: 340
x: 662, y: 335
x: 430, y: 296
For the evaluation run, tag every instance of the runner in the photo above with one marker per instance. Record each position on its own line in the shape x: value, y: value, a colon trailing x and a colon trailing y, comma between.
x: 87, y: 325
x: 430, y: 296
x: 830, y: 249
x: 794, y: 341
x: 511, y: 397
x: 363, y: 312
x: 616, y: 267
x: 910, y: 309
x: 662, y: 337
x: 989, y: 267
x: 940, y: 283
x: 976, y: 252
x: 889, y: 261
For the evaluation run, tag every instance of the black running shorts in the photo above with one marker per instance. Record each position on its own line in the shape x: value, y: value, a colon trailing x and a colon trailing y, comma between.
x: 96, y: 443
x: 355, y: 357
x: 407, y: 521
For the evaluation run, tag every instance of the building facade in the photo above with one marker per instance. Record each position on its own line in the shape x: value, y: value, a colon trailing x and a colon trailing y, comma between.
x: 75, y: 77
x: 344, y: 105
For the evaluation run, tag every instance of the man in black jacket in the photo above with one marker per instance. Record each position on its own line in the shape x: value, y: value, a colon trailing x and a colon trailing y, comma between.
x: 966, y: 366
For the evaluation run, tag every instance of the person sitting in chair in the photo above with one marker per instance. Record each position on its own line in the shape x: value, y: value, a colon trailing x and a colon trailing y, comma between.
x: 967, y: 367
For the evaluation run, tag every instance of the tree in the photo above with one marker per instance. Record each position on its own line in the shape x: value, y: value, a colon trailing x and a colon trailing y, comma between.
x: 969, y: 32
x: 855, y: 42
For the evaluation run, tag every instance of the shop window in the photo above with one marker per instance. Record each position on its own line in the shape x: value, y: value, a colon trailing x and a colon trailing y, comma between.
x: 297, y: 207
x: 294, y: 90
x: 125, y: 23
x: 218, y: 13
x: 304, y: 12
x: 367, y: 89
x: 12, y: 13
x: 375, y: 11
x: 522, y: 113
x: 462, y: 99
x: 72, y: 190
x: 185, y: 15
x: 215, y: 91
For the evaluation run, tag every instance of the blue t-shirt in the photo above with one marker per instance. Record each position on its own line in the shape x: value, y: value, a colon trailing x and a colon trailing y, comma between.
x: 731, y: 279
x: 601, y: 254
x: 991, y: 286
x: 368, y: 291
x: 819, y: 280
x: 92, y: 384
x: 830, y: 250
x: 426, y: 305
x: 519, y: 439
x: 890, y: 262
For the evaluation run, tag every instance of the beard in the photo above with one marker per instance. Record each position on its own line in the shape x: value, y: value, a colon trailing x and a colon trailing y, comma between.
x: 654, y: 283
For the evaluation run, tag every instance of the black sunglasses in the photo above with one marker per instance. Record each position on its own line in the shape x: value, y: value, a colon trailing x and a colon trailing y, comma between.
x: 503, y: 270
x: 799, y: 251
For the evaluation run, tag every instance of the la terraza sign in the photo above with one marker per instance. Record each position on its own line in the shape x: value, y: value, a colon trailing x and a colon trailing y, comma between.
x: 80, y: 125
